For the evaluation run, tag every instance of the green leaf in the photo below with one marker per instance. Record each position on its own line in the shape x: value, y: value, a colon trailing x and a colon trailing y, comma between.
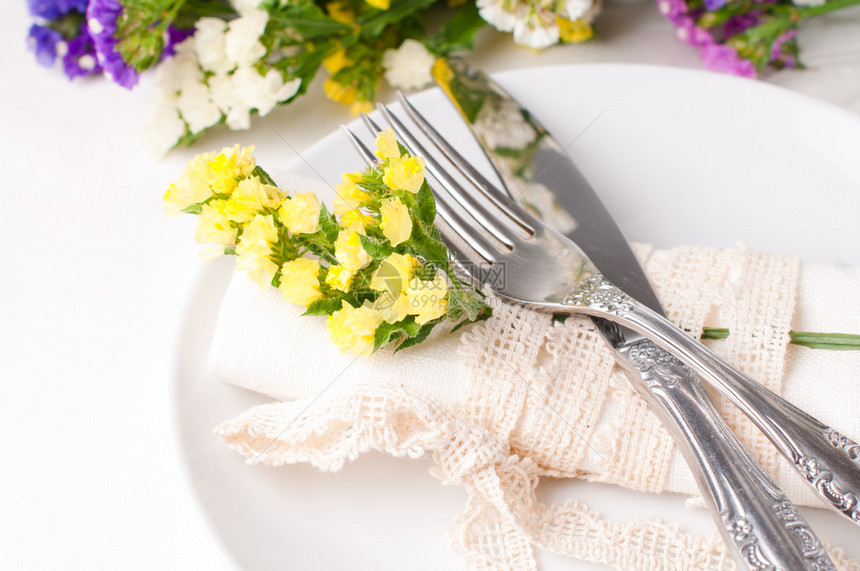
x: 458, y: 33
x: 298, y: 22
x: 196, y: 208
x: 324, y: 306
x: 387, y: 333
x: 328, y: 224
x: 465, y: 302
x: 425, y: 205
x: 419, y: 336
x: 425, y: 244
x: 378, y: 250
x: 399, y: 10
x: 264, y: 176
x: 483, y: 316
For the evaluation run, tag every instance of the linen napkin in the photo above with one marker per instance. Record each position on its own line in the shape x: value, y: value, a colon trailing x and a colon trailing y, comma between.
x: 522, y: 397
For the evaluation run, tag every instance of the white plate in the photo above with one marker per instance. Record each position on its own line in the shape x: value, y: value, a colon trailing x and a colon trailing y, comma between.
x: 679, y: 157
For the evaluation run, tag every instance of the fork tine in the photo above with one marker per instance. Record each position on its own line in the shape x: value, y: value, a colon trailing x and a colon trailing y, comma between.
x: 464, y: 265
x: 462, y: 260
x: 466, y: 231
x: 492, y: 224
x: 492, y: 192
x: 370, y: 124
x: 483, y: 247
x: 359, y: 146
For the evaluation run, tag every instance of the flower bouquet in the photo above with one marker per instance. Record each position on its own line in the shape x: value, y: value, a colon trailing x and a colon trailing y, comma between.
x: 376, y: 265
x: 221, y: 61
x: 218, y: 61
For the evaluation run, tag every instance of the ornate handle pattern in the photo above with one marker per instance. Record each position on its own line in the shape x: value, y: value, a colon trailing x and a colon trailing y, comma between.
x: 755, y: 518
x: 827, y: 460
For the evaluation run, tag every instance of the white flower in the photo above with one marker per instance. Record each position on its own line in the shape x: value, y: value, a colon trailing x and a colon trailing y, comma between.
x: 241, y: 42
x: 226, y: 96
x: 196, y: 107
x: 537, y: 30
x: 183, y: 67
x: 165, y: 126
x: 221, y: 91
x: 576, y: 9
x: 263, y: 93
x: 496, y: 14
x: 408, y: 67
x: 245, y: 89
x: 242, y: 7
x: 209, y: 43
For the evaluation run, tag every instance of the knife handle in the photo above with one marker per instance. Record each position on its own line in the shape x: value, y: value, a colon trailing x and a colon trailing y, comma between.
x: 827, y: 460
x: 762, y: 529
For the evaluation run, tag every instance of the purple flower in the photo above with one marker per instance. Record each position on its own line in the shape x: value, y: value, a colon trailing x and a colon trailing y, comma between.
x: 725, y: 59
x: 80, y: 57
x: 688, y: 32
x: 175, y: 36
x: 43, y: 41
x: 740, y: 23
x: 712, y: 5
x: 101, y: 20
x: 778, y: 54
x: 672, y: 8
x: 53, y: 9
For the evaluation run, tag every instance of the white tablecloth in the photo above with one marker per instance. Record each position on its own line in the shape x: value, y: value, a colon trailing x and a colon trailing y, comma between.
x: 98, y: 282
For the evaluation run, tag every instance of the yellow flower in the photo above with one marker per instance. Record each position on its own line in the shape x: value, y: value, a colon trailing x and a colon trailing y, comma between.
x: 349, y: 196
x: 336, y: 60
x: 396, y: 223
x: 380, y: 4
x: 340, y: 92
x: 386, y: 145
x: 392, y: 308
x: 208, y: 174
x: 575, y: 31
x: 183, y: 193
x: 352, y: 329
x: 348, y: 250
x: 392, y: 279
x: 361, y: 106
x: 404, y: 173
x: 339, y: 277
x: 427, y: 298
x: 191, y: 188
x: 255, y: 248
x: 301, y: 213
x: 354, y: 216
x: 337, y: 13
x: 214, y: 226
x: 252, y: 197
x: 299, y: 281
x: 230, y: 166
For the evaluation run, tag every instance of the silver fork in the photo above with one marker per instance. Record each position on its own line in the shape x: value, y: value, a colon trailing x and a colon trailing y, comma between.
x: 828, y: 461
x: 544, y: 269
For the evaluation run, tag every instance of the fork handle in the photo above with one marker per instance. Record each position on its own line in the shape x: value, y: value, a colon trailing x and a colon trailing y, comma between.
x: 828, y: 461
x: 762, y: 529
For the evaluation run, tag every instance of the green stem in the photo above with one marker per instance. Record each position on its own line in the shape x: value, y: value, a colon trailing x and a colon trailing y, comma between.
x: 830, y: 341
x: 830, y: 6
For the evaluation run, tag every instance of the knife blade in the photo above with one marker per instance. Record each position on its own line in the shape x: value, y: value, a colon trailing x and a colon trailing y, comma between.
x: 537, y: 172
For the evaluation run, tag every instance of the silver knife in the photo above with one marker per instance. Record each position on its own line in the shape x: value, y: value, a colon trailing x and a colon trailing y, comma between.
x: 760, y: 526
